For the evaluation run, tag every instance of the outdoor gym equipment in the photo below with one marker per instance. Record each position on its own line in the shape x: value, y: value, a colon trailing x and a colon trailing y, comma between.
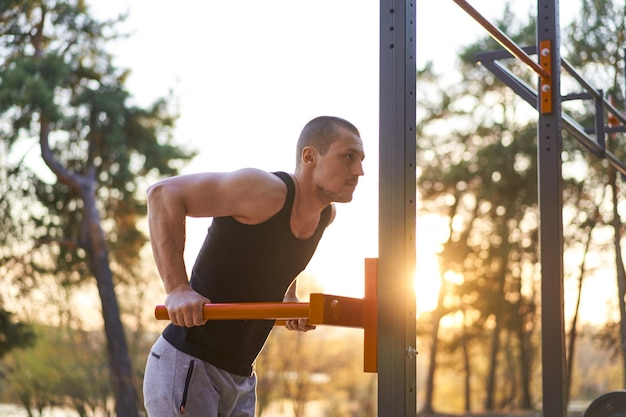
x: 322, y: 309
x: 547, y: 99
x: 612, y: 404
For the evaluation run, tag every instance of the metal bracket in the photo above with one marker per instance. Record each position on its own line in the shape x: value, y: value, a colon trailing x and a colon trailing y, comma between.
x: 545, y: 83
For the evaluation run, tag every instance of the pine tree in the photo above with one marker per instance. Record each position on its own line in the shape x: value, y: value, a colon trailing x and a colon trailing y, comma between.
x: 74, y: 215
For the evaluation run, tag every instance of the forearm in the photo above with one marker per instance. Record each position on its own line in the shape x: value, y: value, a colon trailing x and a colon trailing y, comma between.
x: 290, y: 295
x: 301, y: 325
x: 166, y: 222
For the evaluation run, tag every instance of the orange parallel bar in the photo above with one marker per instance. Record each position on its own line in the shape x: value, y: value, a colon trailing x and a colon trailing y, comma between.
x: 322, y: 309
x: 246, y: 311
x: 335, y: 310
x: 502, y: 39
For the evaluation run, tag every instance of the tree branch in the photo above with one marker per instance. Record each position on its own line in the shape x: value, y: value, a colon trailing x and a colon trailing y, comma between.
x: 65, y: 176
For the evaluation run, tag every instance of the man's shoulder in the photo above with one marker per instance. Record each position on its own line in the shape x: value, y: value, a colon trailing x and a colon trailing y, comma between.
x: 261, y: 195
x: 255, y: 177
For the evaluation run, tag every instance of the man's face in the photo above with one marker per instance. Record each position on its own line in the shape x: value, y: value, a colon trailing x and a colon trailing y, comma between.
x: 337, y: 172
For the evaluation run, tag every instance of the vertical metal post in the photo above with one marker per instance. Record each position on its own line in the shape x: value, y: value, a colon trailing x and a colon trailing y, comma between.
x: 549, y: 147
x: 396, y: 294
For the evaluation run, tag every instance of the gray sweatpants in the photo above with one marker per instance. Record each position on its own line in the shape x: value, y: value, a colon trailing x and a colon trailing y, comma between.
x: 178, y: 384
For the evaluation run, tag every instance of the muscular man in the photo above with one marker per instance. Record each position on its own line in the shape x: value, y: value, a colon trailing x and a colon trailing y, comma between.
x: 265, y: 229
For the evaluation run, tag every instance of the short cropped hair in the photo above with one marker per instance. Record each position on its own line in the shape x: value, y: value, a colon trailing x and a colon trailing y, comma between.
x: 320, y: 133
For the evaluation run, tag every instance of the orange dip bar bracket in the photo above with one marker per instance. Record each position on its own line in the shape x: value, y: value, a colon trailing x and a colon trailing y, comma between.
x: 545, y: 83
x: 322, y: 309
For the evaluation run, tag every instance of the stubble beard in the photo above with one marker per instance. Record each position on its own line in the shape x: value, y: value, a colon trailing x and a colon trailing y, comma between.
x: 332, y: 197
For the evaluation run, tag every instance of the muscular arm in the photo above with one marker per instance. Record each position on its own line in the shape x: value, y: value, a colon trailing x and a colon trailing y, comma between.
x: 166, y: 220
x: 252, y: 196
x: 301, y: 325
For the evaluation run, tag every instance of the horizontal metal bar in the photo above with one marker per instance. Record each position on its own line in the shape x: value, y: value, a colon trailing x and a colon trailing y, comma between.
x: 578, y: 132
x: 518, y: 85
x: 594, y: 92
x: 322, y: 309
x: 336, y: 310
x: 615, y: 162
x: 502, y: 39
x: 498, y: 54
x: 487, y: 59
x: 246, y: 311
x: 576, y: 96
x: 583, y: 83
x: 532, y: 50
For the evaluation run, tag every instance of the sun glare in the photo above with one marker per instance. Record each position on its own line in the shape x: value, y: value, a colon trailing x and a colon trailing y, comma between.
x: 427, y: 283
x: 431, y: 232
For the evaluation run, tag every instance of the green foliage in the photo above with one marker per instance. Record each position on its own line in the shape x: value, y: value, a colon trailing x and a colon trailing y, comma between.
x: 65, y: 368
x: 597, y: 38
x: 13, y: 335
x: 595, y: 48
x: 74, y: 213
x: 58, y: 76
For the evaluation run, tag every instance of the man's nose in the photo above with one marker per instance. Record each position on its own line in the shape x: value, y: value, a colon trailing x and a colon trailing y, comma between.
x: 358, y: 169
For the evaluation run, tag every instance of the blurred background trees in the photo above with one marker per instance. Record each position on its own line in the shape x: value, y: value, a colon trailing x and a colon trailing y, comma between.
x: 76, y: 154
x: 477, y: 162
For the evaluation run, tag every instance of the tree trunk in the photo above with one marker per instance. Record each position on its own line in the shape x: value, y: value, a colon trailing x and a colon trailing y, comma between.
x: 526, y: 367
x: 432, y: 364
x: 493, y: 362
x: 524, y: 333
x: 117, y: 348
x: 620, y: 273
x: 573, y: 328
x: 509, y: 386
x: 94, y: 243
x: 467, y: 368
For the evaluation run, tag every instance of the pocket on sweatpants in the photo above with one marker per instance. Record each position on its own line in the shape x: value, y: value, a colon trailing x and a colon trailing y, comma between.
x: 186, y: 387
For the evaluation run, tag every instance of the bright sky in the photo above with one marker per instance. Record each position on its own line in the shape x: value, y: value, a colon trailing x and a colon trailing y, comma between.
x: 249, y: 74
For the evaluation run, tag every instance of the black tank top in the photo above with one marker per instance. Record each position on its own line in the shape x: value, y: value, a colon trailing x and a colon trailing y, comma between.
x: 244, y: 263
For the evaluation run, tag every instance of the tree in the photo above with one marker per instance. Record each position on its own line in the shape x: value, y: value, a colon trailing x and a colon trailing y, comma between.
x: 595, y: 45
x: 481, y: 175
x: 46, y: 376
x: 75, y: 216
x: 585, y: 235
x: 13, y: 335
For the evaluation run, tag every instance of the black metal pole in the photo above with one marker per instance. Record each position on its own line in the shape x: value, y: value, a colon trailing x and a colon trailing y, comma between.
x: 396, y: 295
x: 549, y: 148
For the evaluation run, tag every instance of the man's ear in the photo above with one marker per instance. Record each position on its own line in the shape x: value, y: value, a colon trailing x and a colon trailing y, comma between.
x: 308, y: 155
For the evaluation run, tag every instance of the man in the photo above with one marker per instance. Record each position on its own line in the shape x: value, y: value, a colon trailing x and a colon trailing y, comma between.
x: 265, y: 229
